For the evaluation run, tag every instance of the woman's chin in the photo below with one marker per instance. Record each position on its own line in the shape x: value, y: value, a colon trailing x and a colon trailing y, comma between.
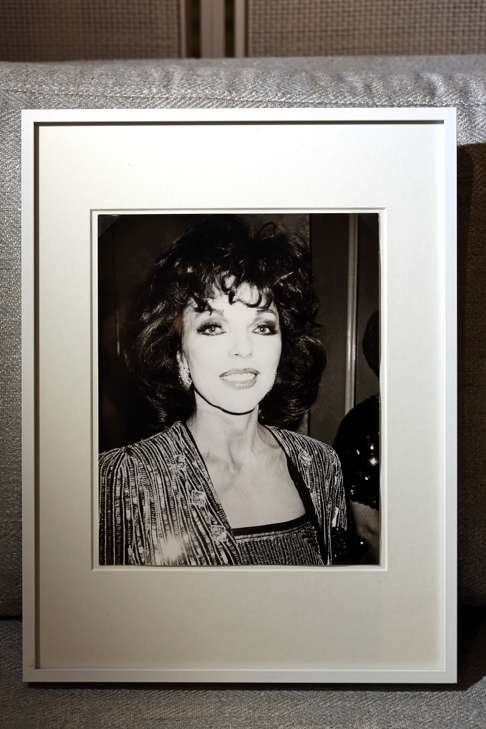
x: 238, y: 404
x: 235, y: 408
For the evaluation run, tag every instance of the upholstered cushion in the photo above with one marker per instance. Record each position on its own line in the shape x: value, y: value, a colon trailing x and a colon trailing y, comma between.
x: 81, y: 29
x: 413, y: 81
x: 367, y: 27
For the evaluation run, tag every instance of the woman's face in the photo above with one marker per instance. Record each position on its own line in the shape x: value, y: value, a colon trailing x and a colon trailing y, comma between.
x: 232, y: 350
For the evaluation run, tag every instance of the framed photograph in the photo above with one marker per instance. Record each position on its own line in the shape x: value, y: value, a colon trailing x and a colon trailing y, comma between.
x: 239, y: 395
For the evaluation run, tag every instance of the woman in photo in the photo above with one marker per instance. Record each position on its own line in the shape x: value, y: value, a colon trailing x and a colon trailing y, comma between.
x: 228, y: 356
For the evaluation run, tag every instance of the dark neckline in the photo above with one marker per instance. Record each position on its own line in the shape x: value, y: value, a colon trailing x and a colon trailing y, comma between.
x: 293, y: 473
x: 273, y: 527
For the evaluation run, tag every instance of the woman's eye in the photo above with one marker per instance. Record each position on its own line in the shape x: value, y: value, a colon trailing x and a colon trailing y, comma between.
x: 210, y: 329
x: 269, y: 328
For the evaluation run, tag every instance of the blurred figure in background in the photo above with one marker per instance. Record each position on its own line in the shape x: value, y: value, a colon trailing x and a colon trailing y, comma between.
x: 357, y: 443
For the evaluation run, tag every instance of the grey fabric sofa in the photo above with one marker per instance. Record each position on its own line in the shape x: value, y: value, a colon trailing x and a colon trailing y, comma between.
x: 387, y: 81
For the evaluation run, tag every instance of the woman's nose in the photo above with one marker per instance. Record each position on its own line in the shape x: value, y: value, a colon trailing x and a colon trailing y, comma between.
x: 241, y: 345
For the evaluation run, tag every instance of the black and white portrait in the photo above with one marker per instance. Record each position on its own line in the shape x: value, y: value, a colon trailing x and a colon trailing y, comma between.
x: 238, y: 380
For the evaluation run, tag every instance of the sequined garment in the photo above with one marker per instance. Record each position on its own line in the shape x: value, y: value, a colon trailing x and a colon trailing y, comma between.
x: 293, y: 542
x: 157, y: 505
x: 358, y: 445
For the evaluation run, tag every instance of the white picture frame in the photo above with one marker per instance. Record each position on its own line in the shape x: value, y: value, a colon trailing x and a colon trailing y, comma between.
x: 391, y: 623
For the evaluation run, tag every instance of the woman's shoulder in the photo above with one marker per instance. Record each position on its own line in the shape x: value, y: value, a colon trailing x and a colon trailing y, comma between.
x: 308, y: 446
x: 159, y: 444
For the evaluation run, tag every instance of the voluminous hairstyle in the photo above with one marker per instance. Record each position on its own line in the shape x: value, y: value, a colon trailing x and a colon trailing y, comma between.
x: 220, y: 254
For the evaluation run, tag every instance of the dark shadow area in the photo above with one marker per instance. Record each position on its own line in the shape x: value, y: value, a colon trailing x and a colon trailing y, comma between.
x: 471, y: 269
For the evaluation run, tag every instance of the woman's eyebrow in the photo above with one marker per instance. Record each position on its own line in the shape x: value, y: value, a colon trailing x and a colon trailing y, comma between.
x: 209, y: 310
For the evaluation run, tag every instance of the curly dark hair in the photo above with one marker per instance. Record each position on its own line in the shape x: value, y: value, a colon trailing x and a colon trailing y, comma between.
x: 220, y: 253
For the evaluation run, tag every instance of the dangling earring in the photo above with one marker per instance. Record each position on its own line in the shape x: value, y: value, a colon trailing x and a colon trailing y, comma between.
x: 184, y: 373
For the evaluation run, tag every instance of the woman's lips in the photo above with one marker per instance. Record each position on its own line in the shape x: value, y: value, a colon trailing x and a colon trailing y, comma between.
x: 241, y: 379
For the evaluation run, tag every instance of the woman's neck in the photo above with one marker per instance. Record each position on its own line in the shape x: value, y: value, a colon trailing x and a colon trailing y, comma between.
x: 231, y: 438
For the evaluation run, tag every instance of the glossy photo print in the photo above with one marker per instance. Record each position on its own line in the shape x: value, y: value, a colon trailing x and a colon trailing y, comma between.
x: 239, y: 399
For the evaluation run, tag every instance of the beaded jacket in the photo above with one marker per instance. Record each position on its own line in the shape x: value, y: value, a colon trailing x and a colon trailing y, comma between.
x: 157, y: 504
